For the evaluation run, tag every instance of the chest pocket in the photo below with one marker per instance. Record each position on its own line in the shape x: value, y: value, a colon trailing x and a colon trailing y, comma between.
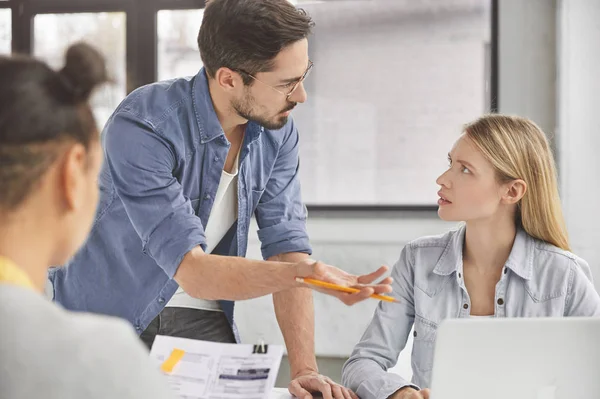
x: 539, y: 297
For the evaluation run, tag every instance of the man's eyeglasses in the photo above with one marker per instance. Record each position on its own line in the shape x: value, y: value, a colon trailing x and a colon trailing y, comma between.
x: 292, y: 85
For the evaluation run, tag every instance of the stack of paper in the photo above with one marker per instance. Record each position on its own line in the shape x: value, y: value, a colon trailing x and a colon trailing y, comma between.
x: 210, y: 370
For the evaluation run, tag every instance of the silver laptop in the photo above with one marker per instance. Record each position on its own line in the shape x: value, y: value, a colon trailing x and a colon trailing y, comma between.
x: 537, y: 358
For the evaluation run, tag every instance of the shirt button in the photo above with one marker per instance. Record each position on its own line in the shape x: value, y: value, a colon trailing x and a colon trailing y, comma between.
x: 216, y: 159
x: 161, y: 300
x: 505, y: 270
x: 466, y: 306
x: 207, y: 197
x: 138, y: 327
x: 415, y: 334
x: 459, y: 275
x: 500, y: 301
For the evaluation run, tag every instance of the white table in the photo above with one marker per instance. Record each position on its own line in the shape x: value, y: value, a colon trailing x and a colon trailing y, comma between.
x: 281, y: 393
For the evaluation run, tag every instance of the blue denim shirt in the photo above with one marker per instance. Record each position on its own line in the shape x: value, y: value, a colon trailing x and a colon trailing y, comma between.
x: 538, y: 280
x: 164, y: 154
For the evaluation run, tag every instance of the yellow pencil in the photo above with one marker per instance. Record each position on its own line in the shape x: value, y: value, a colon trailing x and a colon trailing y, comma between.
x: 336, y: 287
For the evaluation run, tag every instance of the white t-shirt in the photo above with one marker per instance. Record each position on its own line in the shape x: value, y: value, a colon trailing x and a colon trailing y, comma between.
x: 49, y: 352
x: 222, y: 216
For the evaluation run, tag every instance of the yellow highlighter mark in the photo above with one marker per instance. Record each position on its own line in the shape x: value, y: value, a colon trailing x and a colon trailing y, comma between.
x: 172, y: 360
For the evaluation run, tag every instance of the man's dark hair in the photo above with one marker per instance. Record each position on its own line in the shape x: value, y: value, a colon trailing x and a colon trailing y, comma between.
x: 246, y: 35
x: 40, y: 109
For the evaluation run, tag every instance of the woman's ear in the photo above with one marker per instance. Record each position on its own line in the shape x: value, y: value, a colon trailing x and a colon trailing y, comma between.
x: 73, y: 176
x: 515, y: 190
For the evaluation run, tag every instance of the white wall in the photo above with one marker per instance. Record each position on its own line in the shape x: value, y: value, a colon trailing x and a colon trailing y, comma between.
x: 579, y: 126
x: 527, y: 58
x: 527, y: 87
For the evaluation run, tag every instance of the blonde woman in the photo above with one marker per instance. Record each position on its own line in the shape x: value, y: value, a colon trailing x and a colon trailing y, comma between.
x: 50, y: 156
x: 509, y: 259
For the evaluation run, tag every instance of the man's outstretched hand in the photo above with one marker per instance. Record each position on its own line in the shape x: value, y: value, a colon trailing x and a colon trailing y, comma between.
x: 320, y: 271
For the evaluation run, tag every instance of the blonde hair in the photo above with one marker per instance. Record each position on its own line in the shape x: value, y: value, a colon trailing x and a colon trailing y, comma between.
x: 519, y: 149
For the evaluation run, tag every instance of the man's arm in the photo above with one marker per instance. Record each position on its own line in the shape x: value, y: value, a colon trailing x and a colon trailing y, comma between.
x: 296, y: 317
x: 233, y: 278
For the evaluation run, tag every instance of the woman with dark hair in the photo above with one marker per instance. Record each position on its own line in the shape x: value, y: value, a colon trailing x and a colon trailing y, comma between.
x: 50, y: 156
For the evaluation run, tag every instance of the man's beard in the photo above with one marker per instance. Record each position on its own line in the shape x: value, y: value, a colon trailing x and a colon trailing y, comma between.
x: 245, y: 109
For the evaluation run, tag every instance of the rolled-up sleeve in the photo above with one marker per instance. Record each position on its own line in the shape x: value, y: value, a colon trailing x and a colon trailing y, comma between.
x: 365, y: 372
x: 280, y: 213
x: 141, y: 163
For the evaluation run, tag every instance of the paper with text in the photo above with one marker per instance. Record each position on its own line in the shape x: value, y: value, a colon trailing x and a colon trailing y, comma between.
x: 211, y: 370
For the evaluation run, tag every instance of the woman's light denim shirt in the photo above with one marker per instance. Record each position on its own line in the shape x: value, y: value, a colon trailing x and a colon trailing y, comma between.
x: 538, y: 280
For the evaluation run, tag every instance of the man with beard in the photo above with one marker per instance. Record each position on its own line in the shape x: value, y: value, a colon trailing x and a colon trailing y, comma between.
x: 187, y: 163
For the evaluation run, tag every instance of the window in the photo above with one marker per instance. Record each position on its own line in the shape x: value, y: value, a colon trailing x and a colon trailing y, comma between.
x: 53, y: 33
x: 178, y: 53
x: 393, y: 81
x: 5, y: 30
x: 392, y: 85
